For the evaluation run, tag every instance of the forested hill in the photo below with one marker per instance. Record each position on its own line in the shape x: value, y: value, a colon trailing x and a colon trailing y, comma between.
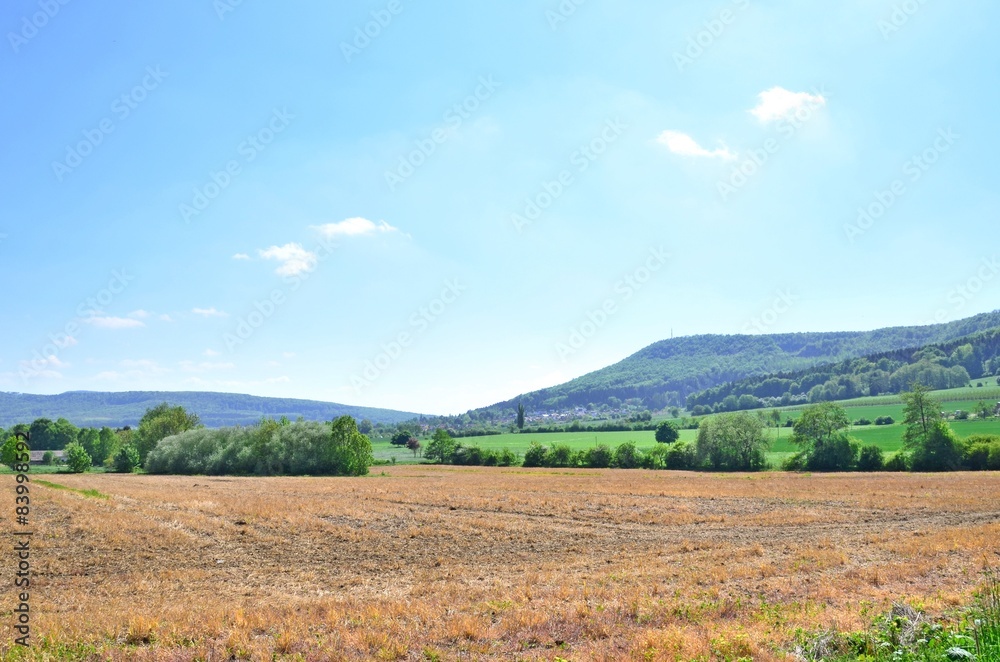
x: 95, y: 409
x: 666, y: 372
x: 943, y: 365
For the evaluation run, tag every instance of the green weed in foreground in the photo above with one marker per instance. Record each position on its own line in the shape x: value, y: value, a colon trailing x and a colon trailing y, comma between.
x: 56, y: 486
x: 906, y: 635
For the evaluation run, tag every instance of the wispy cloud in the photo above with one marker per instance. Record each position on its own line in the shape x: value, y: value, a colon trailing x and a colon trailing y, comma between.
x: 294, y: 259
x: 143, y: 366
x: 209, y: 312
x: 139, y: 314
x: 685, y: 145
x: 241, y: 256
x: 354, y: 227
x: 113, y: 322
x: 778, y: 103
x: 210, y: 352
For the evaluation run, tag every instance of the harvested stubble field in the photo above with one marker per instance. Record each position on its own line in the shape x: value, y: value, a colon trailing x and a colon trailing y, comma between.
x: 486, y: 563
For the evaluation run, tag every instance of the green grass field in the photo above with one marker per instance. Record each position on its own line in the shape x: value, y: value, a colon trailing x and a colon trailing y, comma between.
x: 887, y: 437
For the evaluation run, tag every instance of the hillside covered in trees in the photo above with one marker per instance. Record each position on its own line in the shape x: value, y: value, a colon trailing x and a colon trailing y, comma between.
x: 115, y: 410
x: 942, y: 365
x: 667, y: 372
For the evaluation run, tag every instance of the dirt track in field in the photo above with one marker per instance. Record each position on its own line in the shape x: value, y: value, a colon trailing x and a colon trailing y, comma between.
x: 599, y: 564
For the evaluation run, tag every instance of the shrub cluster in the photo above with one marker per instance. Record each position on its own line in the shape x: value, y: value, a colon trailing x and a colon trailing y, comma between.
x: 269, y: 448
x: 625, y: 456
x: 483, y: 457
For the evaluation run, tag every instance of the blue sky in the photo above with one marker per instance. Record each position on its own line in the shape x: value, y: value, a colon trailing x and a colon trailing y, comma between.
x: 477, y: 199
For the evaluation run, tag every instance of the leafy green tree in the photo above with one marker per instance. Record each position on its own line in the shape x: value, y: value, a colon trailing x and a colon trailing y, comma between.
x: 821, y: 431
x: 938, y: 450
x: 77, y: 458
x: 680, y: 456
x: 65, y: 433
x: 520, y: 416
x: 983, y: 409
x: 871, y: 458
x: 106, y: 446
x: 160, y: 422
x: 126, y: 459
x: 48, y: 458
x: 598, y: 457
x: 441, y: 446
x: 921, y: 413
x: 535, y: 455
x: 401, y: 438
x: 627, y: 456
x: 351, y: 451
x: 8, y: 452
x: 732, y: 442
x: 666, y: 433
x: 89, y: 438
x: 365, y: 426
x: 43, y: 435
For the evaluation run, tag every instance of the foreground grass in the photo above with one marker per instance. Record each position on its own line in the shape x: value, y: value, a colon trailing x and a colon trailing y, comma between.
x: 907, y: 635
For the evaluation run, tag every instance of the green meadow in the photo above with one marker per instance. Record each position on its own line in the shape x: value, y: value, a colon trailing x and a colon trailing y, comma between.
x: 887, y: 437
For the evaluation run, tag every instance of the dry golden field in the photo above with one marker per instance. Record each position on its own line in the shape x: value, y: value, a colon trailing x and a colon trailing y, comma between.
x: 486, y: 563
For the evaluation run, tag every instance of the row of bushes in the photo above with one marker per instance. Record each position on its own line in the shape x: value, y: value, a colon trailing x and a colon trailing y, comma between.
x: 484, y: 457
x: 269, y: 448
x: 977, y: 453
x: 625, y: 456
x: 944, y: 453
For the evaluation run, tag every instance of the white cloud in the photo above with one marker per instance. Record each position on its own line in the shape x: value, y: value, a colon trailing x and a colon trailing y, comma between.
x: 142, y: 366
x: 113, y: 322
x: 241, y: 256
x: 294, y: 259
x: 778, y: 103
x: 210, y: 352
x: 166, y: 318
x: 139, y: 314
x: 685, y: 145
x: 209, y: 312
x: 50, y: 361
x: 354, y: 227
x: 288, y: 355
